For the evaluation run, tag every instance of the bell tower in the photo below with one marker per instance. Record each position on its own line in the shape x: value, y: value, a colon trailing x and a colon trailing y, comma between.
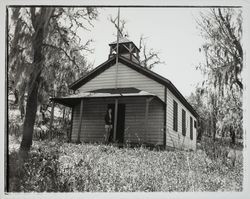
x: 126, y: 49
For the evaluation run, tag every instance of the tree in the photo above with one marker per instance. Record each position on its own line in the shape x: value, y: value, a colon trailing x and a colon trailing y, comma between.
x: 198, y: 101
x: 148, y: 56
x: 41, y: 40
x: 222, y: 31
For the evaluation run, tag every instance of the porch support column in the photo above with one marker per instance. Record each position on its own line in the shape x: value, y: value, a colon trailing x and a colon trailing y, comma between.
x: 71, y: 126
x: 148, y: 100
x: 80, y: 122
x: 165, y: 118
x: 115, y: 119
x: 51, y: 120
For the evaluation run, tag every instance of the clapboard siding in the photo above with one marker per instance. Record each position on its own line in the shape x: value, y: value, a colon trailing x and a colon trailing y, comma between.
x: 173, y: 138
x: 127, y: 77
x: 135, y: 122
x: 93, y: 120
x: 94, y: 111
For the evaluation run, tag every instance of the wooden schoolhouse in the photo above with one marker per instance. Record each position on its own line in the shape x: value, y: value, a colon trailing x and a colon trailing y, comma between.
x: 148, y: 108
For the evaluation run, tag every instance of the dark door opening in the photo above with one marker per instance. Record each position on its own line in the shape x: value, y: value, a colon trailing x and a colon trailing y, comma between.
x: 120, y: 122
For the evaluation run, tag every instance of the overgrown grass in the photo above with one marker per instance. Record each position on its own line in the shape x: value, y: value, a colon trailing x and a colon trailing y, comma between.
x: 65, y: 167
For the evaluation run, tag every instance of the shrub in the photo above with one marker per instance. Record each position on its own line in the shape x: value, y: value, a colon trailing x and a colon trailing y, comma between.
x: 67, y: 167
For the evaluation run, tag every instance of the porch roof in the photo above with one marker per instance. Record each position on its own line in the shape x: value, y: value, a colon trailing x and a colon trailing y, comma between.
x: 71, y: 100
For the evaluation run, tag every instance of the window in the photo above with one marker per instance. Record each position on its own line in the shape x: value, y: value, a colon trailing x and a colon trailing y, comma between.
x: 175, y: 116
x: 195, y: 124
x: 183, y: 122
x: 191, y: 128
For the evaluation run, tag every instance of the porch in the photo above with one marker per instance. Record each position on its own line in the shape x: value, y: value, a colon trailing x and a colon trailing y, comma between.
x: 138, y: 116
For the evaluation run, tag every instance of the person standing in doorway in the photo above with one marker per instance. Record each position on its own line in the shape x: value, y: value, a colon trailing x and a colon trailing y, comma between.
x: 108, y: 124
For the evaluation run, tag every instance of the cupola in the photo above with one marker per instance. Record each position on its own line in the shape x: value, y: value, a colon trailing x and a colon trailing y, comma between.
x: 126, y: 49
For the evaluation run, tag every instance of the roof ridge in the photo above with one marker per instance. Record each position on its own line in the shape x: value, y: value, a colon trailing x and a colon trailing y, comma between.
x: 121, y: 40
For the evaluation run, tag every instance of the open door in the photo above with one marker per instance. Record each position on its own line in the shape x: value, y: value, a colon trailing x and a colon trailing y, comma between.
x: 120, y: 122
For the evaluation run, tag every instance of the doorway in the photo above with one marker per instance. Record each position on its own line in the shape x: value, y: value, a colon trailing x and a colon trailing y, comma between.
x: 120, y: 122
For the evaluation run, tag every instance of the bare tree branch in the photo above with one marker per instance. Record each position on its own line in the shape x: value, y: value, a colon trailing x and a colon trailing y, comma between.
x: 65, y: 53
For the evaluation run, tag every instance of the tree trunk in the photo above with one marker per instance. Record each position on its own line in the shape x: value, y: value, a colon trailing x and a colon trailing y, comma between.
x: 29, y: 120
x: 200, y: 129
x: 211, y: 126
x: 31, y: 106
x: 21, y: 106
x: 63, y: 119
x: 16, y: 97
x: 63, y: 113
x: 51, y: 119
x: 43, y: 115
x: 232, y: 135
x: 223, y: 133
x: 214, y: 127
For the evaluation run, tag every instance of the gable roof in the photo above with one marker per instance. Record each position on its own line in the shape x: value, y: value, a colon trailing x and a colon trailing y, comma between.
x: 121, y: 40
x: 152, y: 75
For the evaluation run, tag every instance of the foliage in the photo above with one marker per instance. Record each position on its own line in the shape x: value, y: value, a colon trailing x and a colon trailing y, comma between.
x: 198, y: 102
x: 63, y: 49
x: 222, y: 67
x: 222, y: 30
x: 60, y: 130
x: 46, y: 54
x: 56, y: 166
x: 14, y: 122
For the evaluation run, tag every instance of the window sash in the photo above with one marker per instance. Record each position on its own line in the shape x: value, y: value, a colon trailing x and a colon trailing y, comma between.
x: 191, y: 128
x: 183, y: 122
x: 175, y: 116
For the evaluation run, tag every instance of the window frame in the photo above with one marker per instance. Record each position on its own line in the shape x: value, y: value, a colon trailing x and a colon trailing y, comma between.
x: 191, y: 128
x: 175, y: 116
x: 184, y: 131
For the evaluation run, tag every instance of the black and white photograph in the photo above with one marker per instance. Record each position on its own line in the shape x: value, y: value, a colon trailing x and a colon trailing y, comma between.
x: 124, y: 98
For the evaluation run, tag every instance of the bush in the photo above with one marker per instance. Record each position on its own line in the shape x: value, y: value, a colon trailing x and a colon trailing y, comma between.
x: 220, y: 150
x: 66, y: 167
x: 39, y: 173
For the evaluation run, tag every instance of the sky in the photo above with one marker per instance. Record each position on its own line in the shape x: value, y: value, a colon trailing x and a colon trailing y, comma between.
x: 171, y: 31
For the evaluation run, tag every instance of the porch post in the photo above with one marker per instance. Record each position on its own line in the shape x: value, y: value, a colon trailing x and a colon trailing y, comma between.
x: 51, y: 120
x: 71, y: 126
x: 165, y: 118
x: 80, y: 122
x: 148, y: 100
x: 115, y: 119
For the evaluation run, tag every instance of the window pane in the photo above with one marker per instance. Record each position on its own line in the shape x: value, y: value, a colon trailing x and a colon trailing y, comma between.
x: 191, y: 128
x: 175, y: 116
x: 183, y: 122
